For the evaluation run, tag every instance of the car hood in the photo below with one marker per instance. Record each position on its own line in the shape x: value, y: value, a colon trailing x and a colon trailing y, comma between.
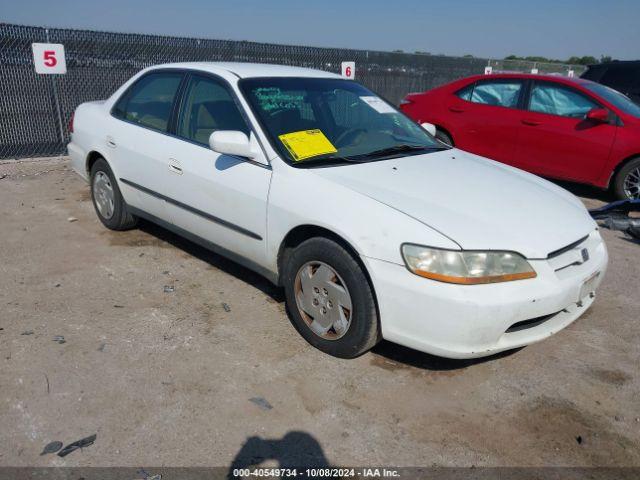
x: 478, y: 203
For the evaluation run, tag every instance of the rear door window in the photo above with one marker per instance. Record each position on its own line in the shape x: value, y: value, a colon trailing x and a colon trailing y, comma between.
x: 559, y: 100
x: 500, y: 93
x: 149, y: 101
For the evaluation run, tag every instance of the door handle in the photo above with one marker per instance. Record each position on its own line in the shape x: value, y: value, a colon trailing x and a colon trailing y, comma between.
x: 456, y: 109
x: 532, y: 123
x: 174, y: 166
x: 111, y: 142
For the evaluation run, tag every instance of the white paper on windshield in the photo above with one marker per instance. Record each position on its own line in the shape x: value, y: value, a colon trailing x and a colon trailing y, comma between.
x: 378, y: 104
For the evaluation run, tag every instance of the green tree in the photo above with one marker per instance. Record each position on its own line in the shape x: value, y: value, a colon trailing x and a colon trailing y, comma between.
x: 588, y: 60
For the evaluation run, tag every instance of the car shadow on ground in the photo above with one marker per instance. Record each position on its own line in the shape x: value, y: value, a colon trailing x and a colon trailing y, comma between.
x: 221, y: 263
x: 424, y: 361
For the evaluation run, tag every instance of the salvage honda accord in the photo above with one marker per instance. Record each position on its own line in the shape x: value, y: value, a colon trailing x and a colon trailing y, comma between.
x: 374, y: 228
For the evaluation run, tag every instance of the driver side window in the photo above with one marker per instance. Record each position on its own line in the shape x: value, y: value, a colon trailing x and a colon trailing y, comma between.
x: 208, y: 106
x: 559, y: 100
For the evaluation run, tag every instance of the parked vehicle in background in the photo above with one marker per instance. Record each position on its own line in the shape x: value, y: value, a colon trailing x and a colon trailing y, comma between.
x: 374, y: 228
x: 623, y: 76
x: 564, y: 128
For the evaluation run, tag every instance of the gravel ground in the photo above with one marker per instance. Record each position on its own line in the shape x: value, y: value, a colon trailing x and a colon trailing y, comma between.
x: 213, y: 372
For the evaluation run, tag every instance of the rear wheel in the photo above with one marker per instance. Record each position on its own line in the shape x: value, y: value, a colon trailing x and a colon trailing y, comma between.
x: 329, y: 298
x: 107, y: 199
x: 626, y: 183
x: 444, y: 137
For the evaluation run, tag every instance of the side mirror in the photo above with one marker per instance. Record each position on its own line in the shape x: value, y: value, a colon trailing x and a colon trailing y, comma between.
x: 598, y: 115
x: 230, y: 142
x: 429, y: 127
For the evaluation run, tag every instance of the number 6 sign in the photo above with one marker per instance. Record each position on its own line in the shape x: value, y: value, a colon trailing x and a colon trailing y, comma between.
x: 49, y: 58
x: 349, y: 70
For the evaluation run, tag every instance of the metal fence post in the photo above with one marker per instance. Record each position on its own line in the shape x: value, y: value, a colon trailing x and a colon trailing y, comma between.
x: 56, y: 100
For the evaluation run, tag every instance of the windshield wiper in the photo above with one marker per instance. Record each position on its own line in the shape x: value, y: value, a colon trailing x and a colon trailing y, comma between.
x: 328, y: 161
x: 364, y: 157
x: 399, y: 149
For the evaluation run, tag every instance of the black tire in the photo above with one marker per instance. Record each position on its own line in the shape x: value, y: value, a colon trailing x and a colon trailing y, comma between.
x: 363, y: 331
x: 121, y: 219
x: 631, y: 167
x: 444, y: 138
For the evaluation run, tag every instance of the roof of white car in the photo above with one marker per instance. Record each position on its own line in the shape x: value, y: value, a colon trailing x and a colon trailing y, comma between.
x: 248, y: 70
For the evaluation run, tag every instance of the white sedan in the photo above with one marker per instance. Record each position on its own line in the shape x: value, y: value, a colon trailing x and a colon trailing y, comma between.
x: 374, y: 228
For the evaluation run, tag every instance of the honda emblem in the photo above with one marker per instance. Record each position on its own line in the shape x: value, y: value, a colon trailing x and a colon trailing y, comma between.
x: 585, y: 255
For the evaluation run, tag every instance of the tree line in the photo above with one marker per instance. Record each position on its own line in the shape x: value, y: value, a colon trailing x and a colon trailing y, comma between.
x: 575, y: 60
x: 585, y: 60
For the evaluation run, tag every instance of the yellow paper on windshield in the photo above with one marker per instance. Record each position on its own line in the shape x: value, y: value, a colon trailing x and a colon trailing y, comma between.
x: 307, y: 144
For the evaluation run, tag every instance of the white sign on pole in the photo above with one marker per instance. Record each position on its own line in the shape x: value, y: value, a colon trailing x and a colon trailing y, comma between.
x: 487, y: 70
x: 49, y: 58
x: 349, y: 70
x: 571, y: 74
x: 534, y: 71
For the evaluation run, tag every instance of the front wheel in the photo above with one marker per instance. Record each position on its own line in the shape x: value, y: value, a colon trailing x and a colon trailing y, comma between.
x: 626, y: 183
x: 329, y: 298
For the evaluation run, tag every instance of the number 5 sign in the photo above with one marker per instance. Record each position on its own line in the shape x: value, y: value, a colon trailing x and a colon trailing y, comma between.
x: 349, y: 70
x: 49, y: 58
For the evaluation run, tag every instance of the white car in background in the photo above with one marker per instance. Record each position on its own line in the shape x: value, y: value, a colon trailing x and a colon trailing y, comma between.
x: 374, y: 228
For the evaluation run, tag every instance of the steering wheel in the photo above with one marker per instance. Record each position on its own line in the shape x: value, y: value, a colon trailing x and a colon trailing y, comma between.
x: 351, y: 132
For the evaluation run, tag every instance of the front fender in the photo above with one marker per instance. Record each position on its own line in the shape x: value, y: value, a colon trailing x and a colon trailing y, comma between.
x: 298, y: 197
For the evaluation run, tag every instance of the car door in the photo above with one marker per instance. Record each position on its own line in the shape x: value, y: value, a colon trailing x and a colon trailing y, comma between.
x: 556, y: 139
x: 219, y: 198
x: 486, y: 117
x: 138, y: 140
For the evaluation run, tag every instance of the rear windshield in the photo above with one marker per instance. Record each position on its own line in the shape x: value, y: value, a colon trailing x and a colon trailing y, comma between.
x: 616, y: 98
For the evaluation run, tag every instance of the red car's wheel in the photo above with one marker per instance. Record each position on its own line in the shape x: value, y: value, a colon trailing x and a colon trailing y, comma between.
x: 626, y: 183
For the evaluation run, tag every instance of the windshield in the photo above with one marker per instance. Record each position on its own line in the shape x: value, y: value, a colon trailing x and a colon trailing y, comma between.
x: 327, y: 121
x: 616, y: 98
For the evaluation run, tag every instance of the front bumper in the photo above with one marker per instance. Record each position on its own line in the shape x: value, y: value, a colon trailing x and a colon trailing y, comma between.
x: 467, y: 321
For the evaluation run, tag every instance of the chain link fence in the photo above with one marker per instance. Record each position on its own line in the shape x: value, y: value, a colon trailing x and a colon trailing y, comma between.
x: 35, y: 109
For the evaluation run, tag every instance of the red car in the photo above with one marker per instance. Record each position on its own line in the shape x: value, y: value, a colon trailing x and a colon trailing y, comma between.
x: 564, y: 128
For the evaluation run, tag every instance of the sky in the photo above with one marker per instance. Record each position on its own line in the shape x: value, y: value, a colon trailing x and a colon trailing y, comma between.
x: 488, y: 29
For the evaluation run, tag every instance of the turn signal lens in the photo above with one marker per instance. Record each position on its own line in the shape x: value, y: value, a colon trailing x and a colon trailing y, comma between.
x: 466, y: 267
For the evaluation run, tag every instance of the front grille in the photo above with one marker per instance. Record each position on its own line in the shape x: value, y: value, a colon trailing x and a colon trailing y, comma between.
x: 562, y: 250
x: 525, y: 324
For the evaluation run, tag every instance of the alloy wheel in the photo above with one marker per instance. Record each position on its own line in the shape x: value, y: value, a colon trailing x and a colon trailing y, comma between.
x: 632, y: 184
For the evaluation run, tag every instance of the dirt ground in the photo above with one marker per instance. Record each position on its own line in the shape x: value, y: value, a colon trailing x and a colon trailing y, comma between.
x: 213, y: 372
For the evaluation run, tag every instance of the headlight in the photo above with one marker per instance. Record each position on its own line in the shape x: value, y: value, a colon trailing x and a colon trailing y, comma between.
x: 466, y: 267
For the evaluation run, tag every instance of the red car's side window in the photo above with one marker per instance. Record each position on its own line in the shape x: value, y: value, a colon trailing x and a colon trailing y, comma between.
x: 559, y: 100
x: 499, y: 92
x: 466, y: 92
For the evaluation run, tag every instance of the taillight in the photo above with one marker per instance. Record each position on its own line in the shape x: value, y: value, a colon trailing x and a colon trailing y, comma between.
x: 71, y: 122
